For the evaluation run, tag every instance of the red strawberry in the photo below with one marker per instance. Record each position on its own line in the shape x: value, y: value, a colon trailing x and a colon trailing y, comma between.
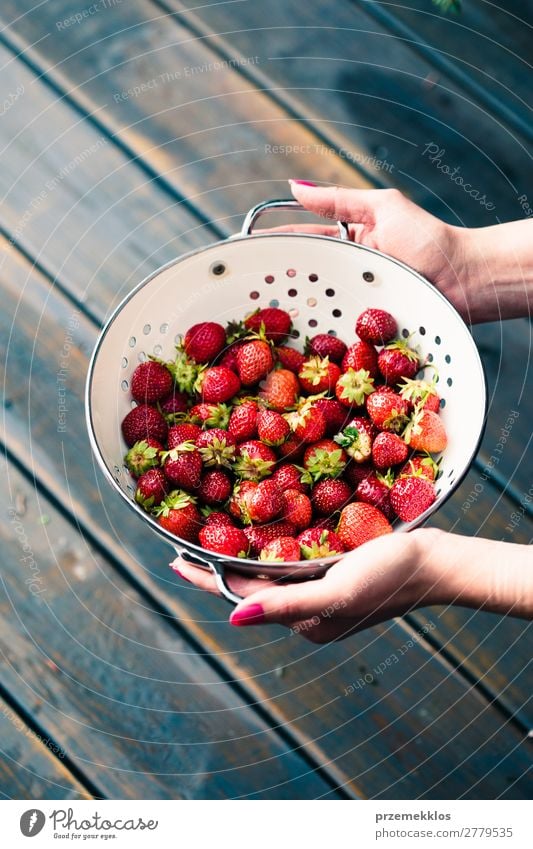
x: 142, y: 456
x: 388, y: 410
x: 290, y: 358
x: 224, y: 539
x: 282, y: 549
x: 276, y: 323
x: 288, y: 476
x: 210, y: 415
x: 151, y: 488
x: 325, y: 345
x: 204, y: 342
x: 264, y: 503
x: 243, y: 421
x: 272, y: 428
x: 292, y: 449
x: 296, y: 508
x: 254, y: 361
x: 237, y: 504
x: 360, y: 523
x: 323, y: 459
x: 421, y: 394
x: 319, y: 542
x: 398, y: 361
x: 357, y: 438
x: 388, y: 450
x: 375, y: 490
x: 357, y: 472
x: 426, y: 432
x: 178, y: 514
x: 151, y: 381
x: 185, y: 432
x: 318, y: 375
x: 376, y: 326
x: 215, y: 487
x: 144, y: 422
x: 307, y: 422
x: 421, y: 465
x: 218, y: 384
x: 217, y: 447
x: 353, y: 386
x: 260, y: 535
x: 328, y: 523
x: 280, y: 390
x: 229, y: 357
x: 410, y: 496
x: 218, y: 517
x: 361, y: 355
x: 254, y: 460
x: 334, y: 413
x: 328, y: 496
x: 183, y: 465
x: 174, y: 406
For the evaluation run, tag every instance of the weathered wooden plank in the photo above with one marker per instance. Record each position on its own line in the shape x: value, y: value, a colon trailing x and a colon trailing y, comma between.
x: 302, y: 686
x: 116, y: 685
x: 28, y: 768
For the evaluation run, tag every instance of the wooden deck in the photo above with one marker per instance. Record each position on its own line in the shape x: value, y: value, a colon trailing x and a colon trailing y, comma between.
x: 127, y: 138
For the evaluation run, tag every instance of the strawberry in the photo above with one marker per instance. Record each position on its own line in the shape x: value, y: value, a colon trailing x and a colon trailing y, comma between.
x: 328, y: 523
x: 142, y: 456
x: 318, y: 375
x: 376, y: 326
x: 280, y: 390
x: 264, y: 503
x: 325, y: 345
x: 151, y: 488
x: 357, y: 472
x: 398, y: 360
x: 254, y: 460
x: 421, y: 465
x: 290, y: 358
x: 323, y: 459
x: 237, y: 504
x: 210, y: 415
x: 359, y: 523
x: 178, y: 514
x: 388, y: 410
x: 215, y: 487
x: 307, y: 423
x: 319, y: 542
x: 218, y: 517
x: 243, y: 420
x: 353, y: 386
x: 276, y: 323
x: 254, y: 361
x: 410, y: 496
x: 292, y: 449
x: 388, y: 450
x: 204, y: 342
x: 224, y: 539
x: 421, y: 393
x: 174, y: 406
x: 288, y: 476
x: 361, y: 355
x: 185, y: 432
x: 329, y: 495
x: 296, y: 509
x: 217, y: 447
x: 218, y: 384
x: 184, y: 371
x: 272, y: 428
x: 426, y: 432
x: 334, y: 413
x: 357, y: 438
x: 260, y: 536
x: 151, y: 381
x: 375, y: 490
x: 282, y: 549
x: 144, y: 422
x: 229, y: 357
x: 183, y: 465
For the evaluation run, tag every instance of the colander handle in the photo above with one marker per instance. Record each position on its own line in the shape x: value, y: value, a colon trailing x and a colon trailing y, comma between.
x: 217, y: 568
x: 288, y: 203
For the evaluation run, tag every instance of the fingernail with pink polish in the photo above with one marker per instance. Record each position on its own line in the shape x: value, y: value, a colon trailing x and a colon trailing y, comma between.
x: 251, y: 615
x: 303, y: 183
x: 178, y: 573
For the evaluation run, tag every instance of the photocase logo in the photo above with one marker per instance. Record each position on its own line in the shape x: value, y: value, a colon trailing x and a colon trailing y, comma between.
x: 32, y: 822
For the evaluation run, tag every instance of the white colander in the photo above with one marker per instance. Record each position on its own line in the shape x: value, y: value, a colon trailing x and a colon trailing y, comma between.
x: 324, y: 283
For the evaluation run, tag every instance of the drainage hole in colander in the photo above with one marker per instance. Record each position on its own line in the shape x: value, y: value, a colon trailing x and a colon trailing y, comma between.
x: 336, y: 313
x: 291, y: 272
x: 177, y: 338
x: 269, y: 278
x: 132, y: 342
x: 442, y: 402
x: 447, y: 359
x: 450, y: 473
x: 124, y: 385
x: 164, y: 328
x: 422, y: 331
x: 218, y: 269
x: 405, y: 332
x: 312, y: 322
x: 311, y: 302
x: 332, y: 332
x: 116, y: 470
x: 368, y: 277
x: 130, y: 489
x: 254, y: 295
x: 141, y: 356
x: 449, y: 381
x: 158, y: 350
x: 295, y: 334
x: 313, y: 278
x: 147, y: 329
x: 437, y: 340
x: 124, y: 362
x: 294, y: 313
x: 292, y: 293
x: 429, y: 358
x: 274, y: 303
x: 330, y: 292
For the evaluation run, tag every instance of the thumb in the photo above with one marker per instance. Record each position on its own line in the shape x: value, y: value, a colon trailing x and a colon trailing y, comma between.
x: 337, y: 203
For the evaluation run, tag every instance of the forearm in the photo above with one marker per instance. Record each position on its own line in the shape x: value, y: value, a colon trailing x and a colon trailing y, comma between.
x: 495, y: 271
x: 481, y: 573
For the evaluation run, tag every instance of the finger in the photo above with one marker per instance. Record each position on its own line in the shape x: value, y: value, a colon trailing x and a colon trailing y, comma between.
x: 340, y: 204
x: 204, y: 579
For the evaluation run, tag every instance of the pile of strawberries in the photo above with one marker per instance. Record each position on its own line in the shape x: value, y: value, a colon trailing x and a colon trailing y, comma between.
x: 250, y: 448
